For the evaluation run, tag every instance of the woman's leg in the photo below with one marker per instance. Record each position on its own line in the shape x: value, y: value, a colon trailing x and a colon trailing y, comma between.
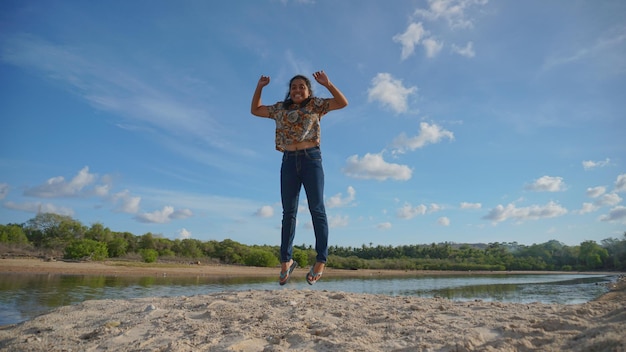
x: 290, y: 185
x: 313, y: 180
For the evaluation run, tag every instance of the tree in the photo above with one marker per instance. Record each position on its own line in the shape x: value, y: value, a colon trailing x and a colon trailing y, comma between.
x: 12, y: 234
x: 147, y: 241
x: 617, y: 252
x: 53, y: 230
x: 190, y: 248
x: 231, y: 252
x: 99, y: 233
x: 118, y: 246
x: 592, y: 255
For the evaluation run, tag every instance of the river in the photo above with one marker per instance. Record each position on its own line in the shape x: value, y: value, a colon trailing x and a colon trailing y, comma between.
x: 24, y: 296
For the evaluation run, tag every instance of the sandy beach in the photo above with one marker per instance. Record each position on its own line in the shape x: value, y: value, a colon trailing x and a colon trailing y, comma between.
x: 296, y: 318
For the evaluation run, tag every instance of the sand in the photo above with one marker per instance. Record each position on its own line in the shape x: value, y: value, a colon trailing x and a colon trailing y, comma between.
x: 296, y: 318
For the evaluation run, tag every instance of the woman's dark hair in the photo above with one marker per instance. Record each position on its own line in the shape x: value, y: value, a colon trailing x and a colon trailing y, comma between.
x: 288, y: 100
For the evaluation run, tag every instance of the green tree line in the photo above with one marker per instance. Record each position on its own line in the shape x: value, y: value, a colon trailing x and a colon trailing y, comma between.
x: 61, y: 236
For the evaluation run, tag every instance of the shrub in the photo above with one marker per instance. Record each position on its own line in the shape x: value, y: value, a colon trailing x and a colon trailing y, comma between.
x: 301, y: 257
x: 117, y: 247
x: 260, y: 257
x: 149, y: 255
x: 85, y: 248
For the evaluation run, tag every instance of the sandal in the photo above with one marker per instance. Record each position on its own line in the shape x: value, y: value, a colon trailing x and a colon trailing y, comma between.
x: 284, y: 275
x: 312, y: 277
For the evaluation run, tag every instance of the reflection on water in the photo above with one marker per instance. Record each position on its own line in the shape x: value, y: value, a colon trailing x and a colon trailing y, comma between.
x: 562, y: 289
x: 25, y: 296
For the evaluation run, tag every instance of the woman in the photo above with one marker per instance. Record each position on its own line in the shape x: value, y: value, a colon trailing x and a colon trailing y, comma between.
x: 298, y: 138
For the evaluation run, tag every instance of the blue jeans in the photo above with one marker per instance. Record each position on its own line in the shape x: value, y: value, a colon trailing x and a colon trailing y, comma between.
x: 303, y: 167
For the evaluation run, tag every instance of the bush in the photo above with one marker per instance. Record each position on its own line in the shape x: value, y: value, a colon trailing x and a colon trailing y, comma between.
x: 85, y: 248
x: 117, y: 247
x: 301, y: 257
x: 12, y: 234
x: 260, y: 257
x: 166, y: 253
x: 149, y: 255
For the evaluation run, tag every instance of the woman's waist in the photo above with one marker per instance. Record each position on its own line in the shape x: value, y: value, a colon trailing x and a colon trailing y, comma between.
x: 301, y: 146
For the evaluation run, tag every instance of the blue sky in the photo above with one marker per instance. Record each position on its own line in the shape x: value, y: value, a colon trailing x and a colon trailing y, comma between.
x: 469, y: 120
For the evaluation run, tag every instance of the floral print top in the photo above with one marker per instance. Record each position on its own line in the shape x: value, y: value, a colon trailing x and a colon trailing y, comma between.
x: 298, y: 123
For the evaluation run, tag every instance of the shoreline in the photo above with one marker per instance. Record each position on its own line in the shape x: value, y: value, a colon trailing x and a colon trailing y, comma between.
x: 310, y: 319
x: 616, y: 290
x: 129, y: 268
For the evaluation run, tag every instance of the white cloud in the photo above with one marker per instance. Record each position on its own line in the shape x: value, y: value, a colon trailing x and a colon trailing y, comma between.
x: 183, y: 234
x: 617, y: 214
x: 409, y: 212
x: 384, y: 226
x: 465, y: 205
x: 266, y: 211
x: 590, y: 164
x: 102, y: 190
x: 434, y: 208
x: 338, y: 201
x: 587, y: 208
x: 390, y: 92
x: 39, y: 207
x: 58, y: 187
x: 410, y: 38
x: 603, y: 49
x: 4, y: 190
x: 467, y: 51
x: 547, y: 184
x: 620, y: 183
x: 181, y: 214
x: 596, y: 191
x: 164, y: 215
x: 338, y: 221
x: 413, y: 36
x: 127, y: 203
x: 602, y: 199
x: 443, y: 221
x: 428, y: 134
x: 534, y: 212
x: 432, y: 47
x: 372, y: 166
x: 609, y: 199
x: 453, y: 11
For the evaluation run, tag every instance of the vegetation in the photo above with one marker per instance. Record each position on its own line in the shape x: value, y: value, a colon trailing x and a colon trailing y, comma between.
x: 56, y: 235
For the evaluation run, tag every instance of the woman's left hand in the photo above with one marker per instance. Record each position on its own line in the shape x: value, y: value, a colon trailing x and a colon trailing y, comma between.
x: 321, y: 78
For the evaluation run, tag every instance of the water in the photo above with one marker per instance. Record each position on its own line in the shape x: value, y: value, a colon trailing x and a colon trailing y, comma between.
x: 23, y: 297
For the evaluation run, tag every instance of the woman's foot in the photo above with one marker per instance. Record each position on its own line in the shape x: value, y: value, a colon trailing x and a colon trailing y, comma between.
x: 286, y: 269
x: 315, y: 273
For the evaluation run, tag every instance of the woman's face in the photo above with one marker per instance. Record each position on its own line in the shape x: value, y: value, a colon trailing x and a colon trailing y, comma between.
x: 299, y: 90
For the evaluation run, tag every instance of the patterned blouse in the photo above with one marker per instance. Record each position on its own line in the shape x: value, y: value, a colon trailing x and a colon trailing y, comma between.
x: 297, y: 123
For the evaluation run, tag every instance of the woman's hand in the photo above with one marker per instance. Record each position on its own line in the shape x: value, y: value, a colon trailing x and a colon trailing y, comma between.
x: 321, y: 78
x: 263, y: 81
x: 338, y: 100
x: 256, y: 107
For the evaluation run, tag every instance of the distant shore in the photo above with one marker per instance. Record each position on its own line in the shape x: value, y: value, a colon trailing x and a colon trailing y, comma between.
x: 193, y: 269
x: 299, y: 317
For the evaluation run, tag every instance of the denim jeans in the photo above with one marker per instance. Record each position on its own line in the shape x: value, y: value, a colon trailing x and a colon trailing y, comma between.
x: 303, y: 167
